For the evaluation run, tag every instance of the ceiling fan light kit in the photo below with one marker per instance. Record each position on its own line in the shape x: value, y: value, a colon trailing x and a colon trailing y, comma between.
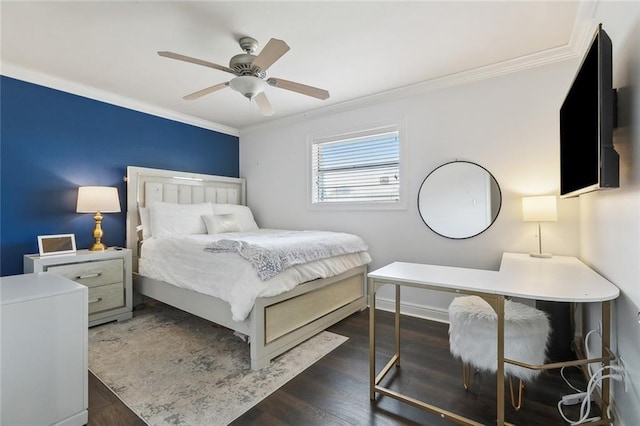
x: 248, y: 85
x: 250, y: 71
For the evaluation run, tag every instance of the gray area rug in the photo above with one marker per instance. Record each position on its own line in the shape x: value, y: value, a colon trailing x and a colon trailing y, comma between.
x: 171, y: 367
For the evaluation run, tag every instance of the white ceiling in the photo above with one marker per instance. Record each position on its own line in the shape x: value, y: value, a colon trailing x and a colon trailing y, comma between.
x: 108, y: 50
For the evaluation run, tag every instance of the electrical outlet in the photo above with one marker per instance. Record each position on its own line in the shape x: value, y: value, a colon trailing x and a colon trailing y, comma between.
x: 625, y: 374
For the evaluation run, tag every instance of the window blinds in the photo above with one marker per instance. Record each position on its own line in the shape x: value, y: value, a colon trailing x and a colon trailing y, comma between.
x: 357, y: 169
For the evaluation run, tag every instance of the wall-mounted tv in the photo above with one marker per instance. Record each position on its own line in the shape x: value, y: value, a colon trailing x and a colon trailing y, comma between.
x: 588, y: 160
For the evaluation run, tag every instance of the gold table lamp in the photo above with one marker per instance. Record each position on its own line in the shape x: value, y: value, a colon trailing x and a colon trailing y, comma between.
x: 98, y: 199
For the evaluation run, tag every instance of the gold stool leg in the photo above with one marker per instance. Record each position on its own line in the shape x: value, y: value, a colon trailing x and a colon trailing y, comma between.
x: 520, y: 387
x: 466, y: 375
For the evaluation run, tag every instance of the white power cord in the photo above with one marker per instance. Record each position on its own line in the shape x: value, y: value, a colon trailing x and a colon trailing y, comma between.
x: 585, y: 397
x: 568, y: 382
x: 587, y: 351
x: 590, y: 371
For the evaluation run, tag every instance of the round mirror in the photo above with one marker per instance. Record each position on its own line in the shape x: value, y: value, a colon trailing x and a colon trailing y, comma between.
x: 459, y: 200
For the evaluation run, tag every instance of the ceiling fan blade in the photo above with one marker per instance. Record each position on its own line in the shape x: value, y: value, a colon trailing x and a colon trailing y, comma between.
x: 264, y: 104
x: 195, y: 61
x: 272, y: 52
x: 299, y: 88
x: 200, y: 93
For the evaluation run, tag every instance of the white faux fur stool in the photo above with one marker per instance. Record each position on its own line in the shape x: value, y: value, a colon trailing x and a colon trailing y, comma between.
x: 473, y: 338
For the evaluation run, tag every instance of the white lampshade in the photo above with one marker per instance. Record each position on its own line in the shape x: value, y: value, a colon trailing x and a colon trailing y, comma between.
x: 539, y: 209
x: 248, y: 85
x: 92, y: 199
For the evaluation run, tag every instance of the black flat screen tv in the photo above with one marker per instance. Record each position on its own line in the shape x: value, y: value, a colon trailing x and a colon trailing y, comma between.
x: 588, y: 160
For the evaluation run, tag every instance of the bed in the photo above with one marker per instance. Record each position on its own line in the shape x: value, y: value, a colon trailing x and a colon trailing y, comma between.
x: 311, y: 296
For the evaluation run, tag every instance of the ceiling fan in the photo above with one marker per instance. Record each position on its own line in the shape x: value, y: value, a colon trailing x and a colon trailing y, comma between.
x: 251, y: 73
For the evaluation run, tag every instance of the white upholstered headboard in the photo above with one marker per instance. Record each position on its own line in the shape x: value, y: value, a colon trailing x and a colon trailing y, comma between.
x: 145, y: 185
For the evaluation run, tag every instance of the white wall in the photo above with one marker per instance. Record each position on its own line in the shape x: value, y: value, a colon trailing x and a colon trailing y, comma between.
x: 509, y: 125
x: 610, y: 221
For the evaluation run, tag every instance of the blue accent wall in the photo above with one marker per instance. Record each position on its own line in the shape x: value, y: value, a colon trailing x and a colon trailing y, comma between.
x: 51, y: 142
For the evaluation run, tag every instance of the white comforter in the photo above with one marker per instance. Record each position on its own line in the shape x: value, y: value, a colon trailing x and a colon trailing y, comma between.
x: 183, y: 262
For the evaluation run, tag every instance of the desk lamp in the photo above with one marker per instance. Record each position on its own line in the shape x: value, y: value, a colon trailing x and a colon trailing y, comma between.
x: 539, y: 209
x: 98, y: 199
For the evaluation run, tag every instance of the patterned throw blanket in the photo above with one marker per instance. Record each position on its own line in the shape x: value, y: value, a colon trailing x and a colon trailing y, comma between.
x: 272, y: 254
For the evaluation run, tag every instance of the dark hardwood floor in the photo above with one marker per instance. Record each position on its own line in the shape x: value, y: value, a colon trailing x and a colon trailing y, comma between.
x: 335, y: 390
x: 106, y: 409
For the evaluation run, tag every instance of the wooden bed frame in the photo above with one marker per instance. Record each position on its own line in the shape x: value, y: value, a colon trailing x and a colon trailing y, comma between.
x: 276, y: 324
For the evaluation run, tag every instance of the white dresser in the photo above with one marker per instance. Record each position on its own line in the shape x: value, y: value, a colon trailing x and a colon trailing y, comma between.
x: 44, y: 357
x: 107, y: 274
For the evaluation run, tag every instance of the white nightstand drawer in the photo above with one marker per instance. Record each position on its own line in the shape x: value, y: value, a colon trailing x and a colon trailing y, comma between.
x: 92, y: 274
x: 106, y: 297
x: 106, y: 273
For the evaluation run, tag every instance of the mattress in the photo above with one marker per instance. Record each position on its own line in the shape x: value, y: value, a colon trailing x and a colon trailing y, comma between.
x: 183, y: 262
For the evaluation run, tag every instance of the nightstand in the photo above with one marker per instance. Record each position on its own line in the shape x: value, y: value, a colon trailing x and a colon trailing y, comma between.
x: 107, y: 274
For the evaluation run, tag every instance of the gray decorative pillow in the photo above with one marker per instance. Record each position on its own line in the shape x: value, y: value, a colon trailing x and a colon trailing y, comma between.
x: 221, y: 223
x: 243, y: 214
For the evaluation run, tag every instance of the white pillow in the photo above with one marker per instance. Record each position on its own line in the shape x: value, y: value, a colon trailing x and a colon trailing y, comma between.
x: 242, y: 213
x: 220, y: 223
x: 145, y: 222
x: 169, y: 219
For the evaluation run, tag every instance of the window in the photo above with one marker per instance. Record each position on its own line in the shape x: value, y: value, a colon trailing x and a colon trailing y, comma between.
x: 357, y: 168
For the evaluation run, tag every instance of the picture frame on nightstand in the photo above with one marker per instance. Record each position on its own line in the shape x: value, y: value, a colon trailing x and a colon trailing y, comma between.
x: 49, y: 245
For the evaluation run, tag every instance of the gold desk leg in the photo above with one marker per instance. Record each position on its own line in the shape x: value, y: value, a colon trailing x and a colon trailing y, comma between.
x: 606, y: 344
x: 500, y: 370
x: 372, y: 339
x: 397, y: 325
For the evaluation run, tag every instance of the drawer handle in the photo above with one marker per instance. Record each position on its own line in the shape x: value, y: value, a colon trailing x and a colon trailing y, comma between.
x: 96, y: 300
x: 92, y: 275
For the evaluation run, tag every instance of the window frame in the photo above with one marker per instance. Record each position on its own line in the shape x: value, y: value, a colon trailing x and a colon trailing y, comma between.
x: 356, y: 132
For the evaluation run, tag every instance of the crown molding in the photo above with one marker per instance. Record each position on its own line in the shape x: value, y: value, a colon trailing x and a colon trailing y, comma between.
x: 579, y: 39
x: 20, y: 73
x: 581, y: 34
x: 550, y: 56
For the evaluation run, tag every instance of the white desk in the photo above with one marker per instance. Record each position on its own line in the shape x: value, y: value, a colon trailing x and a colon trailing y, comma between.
x: 561, y: 278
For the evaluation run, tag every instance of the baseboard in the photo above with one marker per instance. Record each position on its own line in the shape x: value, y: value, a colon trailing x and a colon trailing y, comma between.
x: 614, y: 414
x: 414, y: 310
